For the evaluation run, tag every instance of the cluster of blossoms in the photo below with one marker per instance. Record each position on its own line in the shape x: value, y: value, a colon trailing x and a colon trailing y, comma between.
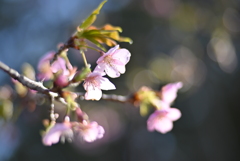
x: 111, y: 63
x: 61, y: 71
x: 56, y: 74
x: 162, y: 119
x: 88, y: 131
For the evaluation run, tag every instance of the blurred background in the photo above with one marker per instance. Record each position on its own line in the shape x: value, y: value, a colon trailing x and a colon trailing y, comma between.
x: 196, y: 42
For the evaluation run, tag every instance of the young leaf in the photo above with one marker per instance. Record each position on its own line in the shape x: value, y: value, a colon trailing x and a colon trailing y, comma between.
x: 92, y: 17
x: 94, y: 41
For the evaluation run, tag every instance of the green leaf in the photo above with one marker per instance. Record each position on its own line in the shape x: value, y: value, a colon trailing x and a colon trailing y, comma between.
x: 125, y: 39
x: 143, y: 109
x: 96, y: 43
x: 92, y: 17
x: 96, y: 32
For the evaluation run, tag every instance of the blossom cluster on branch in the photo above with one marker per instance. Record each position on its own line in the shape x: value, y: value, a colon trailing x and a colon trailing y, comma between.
x: 55, y: 74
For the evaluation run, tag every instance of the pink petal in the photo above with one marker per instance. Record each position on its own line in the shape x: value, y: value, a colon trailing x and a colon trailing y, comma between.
x: 151, y: 125
x: 59, y: 65
x: 105, y: 84
x: 94, y: 94
x: 117, y: 62
x: 48, y: 140
x: 100, y: 69
x: 45, y: 60
x: 101, y: 132
x: 120, y: 68
x: 92, y: 132
x: 53, y: 135
x: 101, y: 59
x: 173, y: 114
x: 112, y: 50
x: 112, y: 71
x: 169, y: 92
x: 163, y: 125
x: 122, y: 55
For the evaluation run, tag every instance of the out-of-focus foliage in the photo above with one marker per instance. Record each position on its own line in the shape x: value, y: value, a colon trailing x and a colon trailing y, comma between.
x: 108, y: 34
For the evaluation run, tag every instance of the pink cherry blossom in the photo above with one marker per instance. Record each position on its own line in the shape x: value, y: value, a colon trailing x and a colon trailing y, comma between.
x: 113, y: 62
x: 169, y: 92
x: 162, y: 120
x: 91, y: 131
x: 59, y: 129
x: 93, y: 84
x: 46, y: 69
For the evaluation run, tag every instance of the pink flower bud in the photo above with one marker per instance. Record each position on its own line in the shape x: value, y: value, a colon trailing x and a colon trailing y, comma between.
x: 61, y: 81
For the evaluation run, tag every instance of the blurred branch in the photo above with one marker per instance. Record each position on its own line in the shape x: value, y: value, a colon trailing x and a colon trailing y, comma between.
x: 112, y: 97
x: 31, y: 84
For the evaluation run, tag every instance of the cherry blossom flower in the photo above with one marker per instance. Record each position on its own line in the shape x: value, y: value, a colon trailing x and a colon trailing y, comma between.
x: 93, y: 84
x: 46, y: 69
x: 113, y: 62
x: 91, y: 131
x: 58, y: 130
x: 162, y: 120
x: 88, y: 131
x: 169, y: 92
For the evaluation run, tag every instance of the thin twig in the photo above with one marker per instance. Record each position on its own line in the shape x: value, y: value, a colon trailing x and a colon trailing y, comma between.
x: 65, y: 46
x: 52, y: 116
x: 84, y: 58
x: 112, y: 97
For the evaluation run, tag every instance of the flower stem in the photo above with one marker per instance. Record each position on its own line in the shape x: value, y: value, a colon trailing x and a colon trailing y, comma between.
x: 52, y: 116
x: 84, y: 58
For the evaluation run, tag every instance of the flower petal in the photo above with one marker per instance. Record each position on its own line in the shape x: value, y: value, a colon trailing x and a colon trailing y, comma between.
x: 45, y: 60
x: 151, y: 124
x: 173, y: 114
x: 59, y: 65
x: 122, y: 55
x: 163, y: 125
x: 100, y: 69
x: 92, y: 132
x: 169, y: 92
x: 53, y: 135
x: 94, y: 94
x: 112, y: 71
x: 105, y: 84
x: 112, y: 50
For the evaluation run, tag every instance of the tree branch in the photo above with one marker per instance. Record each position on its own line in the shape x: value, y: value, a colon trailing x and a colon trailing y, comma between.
x: 38, y: 86
x: 67, y: 45
x: 112, y: 97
